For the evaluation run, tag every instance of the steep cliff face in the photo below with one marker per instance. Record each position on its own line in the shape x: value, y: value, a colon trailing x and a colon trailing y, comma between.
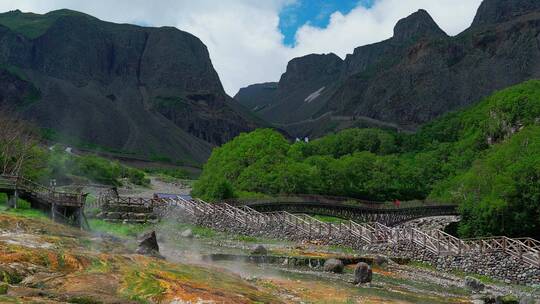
x: 421, y: 73
x: 299, y: 89
x: 152, y: 91
x: 497, y: 11
x: 258, y: 96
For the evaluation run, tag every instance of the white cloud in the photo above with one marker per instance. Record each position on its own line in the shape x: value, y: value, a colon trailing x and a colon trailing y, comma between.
x: 243, y: 36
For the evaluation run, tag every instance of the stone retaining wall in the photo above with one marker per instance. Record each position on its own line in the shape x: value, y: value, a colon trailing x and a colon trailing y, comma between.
x: 498, y: 265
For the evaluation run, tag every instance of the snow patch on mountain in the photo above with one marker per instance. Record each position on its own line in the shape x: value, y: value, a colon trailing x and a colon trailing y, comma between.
x: 314, y: 95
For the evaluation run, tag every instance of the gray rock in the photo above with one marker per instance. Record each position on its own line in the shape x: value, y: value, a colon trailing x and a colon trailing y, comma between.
x: 148, y: 245
x: 333, y: 265
x: 187, y: 234
x: 528, y: 300
x: 362, y: 273
x: 474, y: 284
x: 259, y: 250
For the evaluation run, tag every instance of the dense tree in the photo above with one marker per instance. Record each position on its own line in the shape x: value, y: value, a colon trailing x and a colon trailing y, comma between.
x: 485, y: 158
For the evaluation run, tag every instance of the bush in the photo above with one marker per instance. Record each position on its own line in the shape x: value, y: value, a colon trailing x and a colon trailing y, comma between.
x: 63, y: 165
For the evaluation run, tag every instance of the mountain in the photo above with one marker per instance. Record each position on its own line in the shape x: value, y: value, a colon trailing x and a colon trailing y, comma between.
x: 147, y: 91
x: 415, y: 76
x: 257, y: 96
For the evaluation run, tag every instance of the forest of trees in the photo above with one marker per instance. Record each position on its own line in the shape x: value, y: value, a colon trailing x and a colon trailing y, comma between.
x: 485, y: 158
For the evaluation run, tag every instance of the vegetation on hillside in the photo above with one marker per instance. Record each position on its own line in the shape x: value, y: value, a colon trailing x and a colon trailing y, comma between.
x: 62, y: 165
x: 33, y: 25
x: 485, y: 158
x: 21, y: 154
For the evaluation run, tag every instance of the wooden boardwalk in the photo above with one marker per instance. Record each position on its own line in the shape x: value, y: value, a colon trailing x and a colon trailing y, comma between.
x: 369, y: 229
x: 63, y: 207
x: 437, y: 242
x: 381, y: 213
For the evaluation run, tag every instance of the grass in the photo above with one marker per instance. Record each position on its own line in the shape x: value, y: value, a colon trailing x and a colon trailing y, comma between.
x: 329, y: 219
x: 33, y: 25
x: 117, y: 229
x: 423, y: 265
x: 23, y: 208
x: 482, y: 278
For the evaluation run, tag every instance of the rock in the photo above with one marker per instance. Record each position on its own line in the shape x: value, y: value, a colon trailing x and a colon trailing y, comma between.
x: 3, y: 288
x: 474, y: 284
x: 148, y: 245
x: 187, y: 234
x: 528, y: 300
x: 380, y: 261
x: 333, y: 265
x: 362, y: 273
x: 508, y: 299
x: 259, y: 250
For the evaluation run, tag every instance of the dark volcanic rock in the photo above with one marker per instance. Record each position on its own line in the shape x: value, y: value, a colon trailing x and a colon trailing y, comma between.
x: 150, y: 91
x: 497, y: 11
x: 257, y: 96
x: 259, y: 250
x: 362, y: 273
x: 148, y: 244
x: 333, y: 265
x: 415, y: 76
x: 416, y: 26
x: 474, y: 284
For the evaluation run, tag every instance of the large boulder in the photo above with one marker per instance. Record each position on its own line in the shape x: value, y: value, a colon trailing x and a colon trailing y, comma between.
x: 333, y: 265
x: 259, y: 250
x: 362, y: 273
x: 148, y: 244
x: 474, y: 284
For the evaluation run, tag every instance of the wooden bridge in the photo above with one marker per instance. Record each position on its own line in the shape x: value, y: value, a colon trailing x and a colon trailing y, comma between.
x: 118, y: 208
x: 387, y: 214
x: 436, y: 242
x: 62, y: 206
x: 365, y: 224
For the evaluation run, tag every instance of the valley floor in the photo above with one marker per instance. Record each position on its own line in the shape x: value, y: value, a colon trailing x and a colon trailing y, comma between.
x: 43, y: 262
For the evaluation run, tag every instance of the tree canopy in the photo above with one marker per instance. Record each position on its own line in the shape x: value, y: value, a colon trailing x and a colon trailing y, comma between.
x: 486, y: 158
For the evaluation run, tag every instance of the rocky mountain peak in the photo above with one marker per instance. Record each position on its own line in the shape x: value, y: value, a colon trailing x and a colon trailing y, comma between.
x: 497, y: 11
x: 418, y: 25
x: 309, y: 68
x: 301, y: 64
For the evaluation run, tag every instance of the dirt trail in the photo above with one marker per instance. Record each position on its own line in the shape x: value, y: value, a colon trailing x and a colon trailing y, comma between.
x: 157, y: 185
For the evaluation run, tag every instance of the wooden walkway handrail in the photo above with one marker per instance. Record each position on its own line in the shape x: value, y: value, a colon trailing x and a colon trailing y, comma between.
x: 44, y: 194
x: 437, y: 242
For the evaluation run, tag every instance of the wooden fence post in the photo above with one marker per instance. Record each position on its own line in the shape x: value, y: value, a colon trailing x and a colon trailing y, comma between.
x: 329, y: 228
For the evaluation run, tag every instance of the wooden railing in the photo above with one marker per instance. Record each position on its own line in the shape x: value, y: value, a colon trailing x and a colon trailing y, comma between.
x: 436, y: 242
x: 41, y: 193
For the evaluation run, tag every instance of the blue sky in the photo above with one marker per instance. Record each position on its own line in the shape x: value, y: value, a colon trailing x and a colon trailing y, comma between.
x: 313, y: 12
